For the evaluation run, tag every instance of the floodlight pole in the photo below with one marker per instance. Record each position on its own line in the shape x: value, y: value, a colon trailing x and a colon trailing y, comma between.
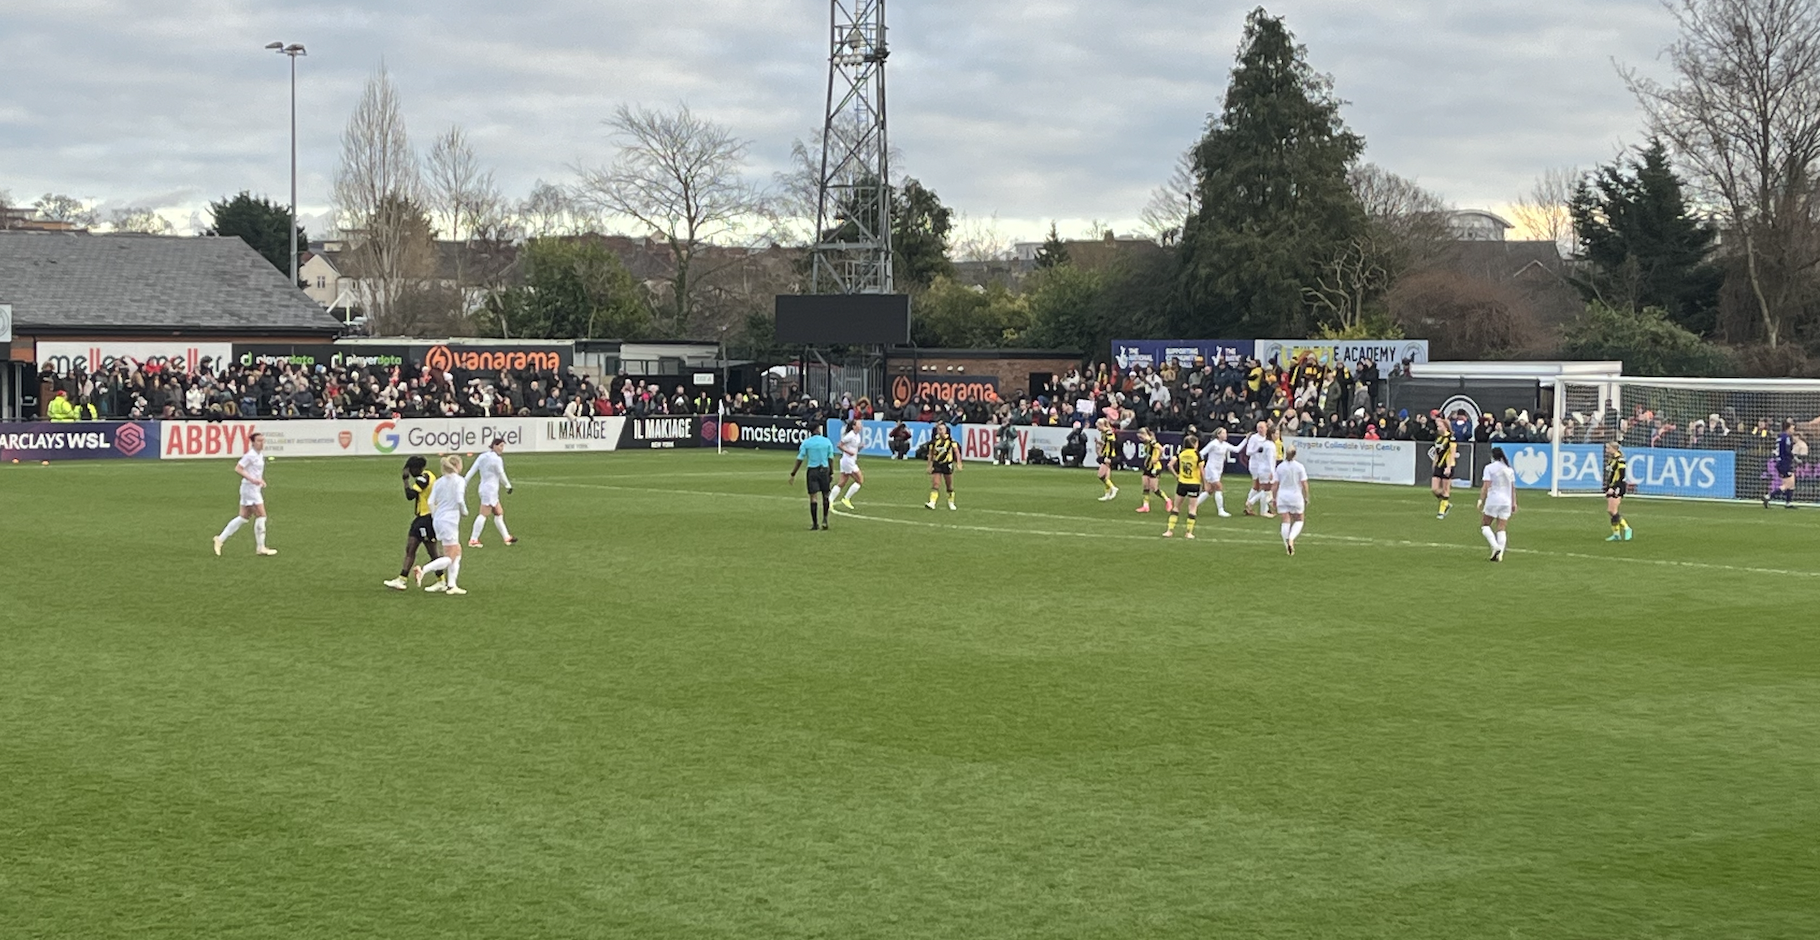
x: 292, y: 51
x: 852, y: 239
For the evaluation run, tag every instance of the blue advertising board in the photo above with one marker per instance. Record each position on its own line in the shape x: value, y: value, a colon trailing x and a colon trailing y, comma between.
x: 79, y: 440
x: 1128, y: 353
x: 1657, y: 471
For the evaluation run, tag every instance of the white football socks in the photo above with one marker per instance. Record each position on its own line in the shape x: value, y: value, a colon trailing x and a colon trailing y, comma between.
x: 454, y: 570
x: 850, y: 491
x: 1503, y: 539
x: 259, y: 533
x: 1219, y: 500
x: 233, y: 526
x: 1285, y: 528
x: 1491, y: 538
x: 1295, y: 529
x: 480, y: 525
x: 499, y: 522
x: 440, y: 564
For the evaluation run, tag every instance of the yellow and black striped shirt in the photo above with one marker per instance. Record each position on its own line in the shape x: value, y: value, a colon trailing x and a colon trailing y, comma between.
x: 1188, y: 467
x: 1153, y: 458
x: 1617, y: 474
x: 1445, y: 448
x: 943, y: 451
x: 417, y: 489
x: 1109, y: 446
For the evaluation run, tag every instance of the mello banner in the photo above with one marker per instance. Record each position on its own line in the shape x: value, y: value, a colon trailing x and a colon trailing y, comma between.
x: 78, y: 440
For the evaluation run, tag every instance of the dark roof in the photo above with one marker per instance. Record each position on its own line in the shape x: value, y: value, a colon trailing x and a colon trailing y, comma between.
x: 60, y: 282
x: 1503, y: 260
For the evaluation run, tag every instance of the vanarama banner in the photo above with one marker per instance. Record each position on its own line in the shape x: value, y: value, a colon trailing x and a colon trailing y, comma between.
x: 960, y: 389
x: 482, y: 357
x: 78, y: 440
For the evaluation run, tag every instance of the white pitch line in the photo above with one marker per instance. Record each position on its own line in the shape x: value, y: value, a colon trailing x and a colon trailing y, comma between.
x: 1203, y: 536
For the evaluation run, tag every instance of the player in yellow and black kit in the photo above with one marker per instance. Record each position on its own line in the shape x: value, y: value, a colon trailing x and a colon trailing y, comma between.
x: 417, y: 482
x: 1445, y: 452
x: 1109, y: 456
x: 944, y: 459
x: 1153, y: 468
x: 1617, y: 483
x: 1187, y: 469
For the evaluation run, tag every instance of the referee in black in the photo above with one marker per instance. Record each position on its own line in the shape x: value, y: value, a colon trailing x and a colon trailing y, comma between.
x: 818, y: 452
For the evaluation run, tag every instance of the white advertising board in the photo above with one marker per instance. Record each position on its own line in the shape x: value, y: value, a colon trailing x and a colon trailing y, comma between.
x: 217, y: 439
x: 100, y: 355
x: 1354, y: 461
x: 1385, y: 352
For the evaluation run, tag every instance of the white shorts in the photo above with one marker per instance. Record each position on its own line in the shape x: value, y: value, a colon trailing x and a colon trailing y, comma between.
x: 489, y: 494
x: 1498, y: 510
x: 1266, y: 475
x: 1288, y: 505
x: 251, y: 495
x: 849, y: 464
x: 448, y: 529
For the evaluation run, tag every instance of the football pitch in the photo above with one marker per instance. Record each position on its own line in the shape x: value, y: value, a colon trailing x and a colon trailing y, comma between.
x: 674, y: 712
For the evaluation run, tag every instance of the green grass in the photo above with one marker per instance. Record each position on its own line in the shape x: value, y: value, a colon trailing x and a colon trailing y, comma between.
x: 672, y: 711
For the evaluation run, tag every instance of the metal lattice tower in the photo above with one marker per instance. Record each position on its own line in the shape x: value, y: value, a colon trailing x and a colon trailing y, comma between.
x: 853, y: 217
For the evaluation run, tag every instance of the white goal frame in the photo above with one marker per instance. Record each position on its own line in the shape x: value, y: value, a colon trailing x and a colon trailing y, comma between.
x: 1612, y: 392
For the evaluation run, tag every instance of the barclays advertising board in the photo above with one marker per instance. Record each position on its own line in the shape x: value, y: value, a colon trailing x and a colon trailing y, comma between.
x: 1657, y: 471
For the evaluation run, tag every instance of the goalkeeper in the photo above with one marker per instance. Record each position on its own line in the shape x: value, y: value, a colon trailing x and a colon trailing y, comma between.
x: 1789, y: 450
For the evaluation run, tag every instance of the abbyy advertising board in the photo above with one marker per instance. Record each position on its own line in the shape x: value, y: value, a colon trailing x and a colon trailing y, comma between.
x: 1131, y: 353
x: 216, y: 439
x: 100, y: 355
x: 78, y: 440
x: 660, y: 433
x: 1357, y: 461
x: 1385, y: 352
x: 1657, y: 471
x: 959, y: 388
x: 756, y: 432
x: 323, y: 354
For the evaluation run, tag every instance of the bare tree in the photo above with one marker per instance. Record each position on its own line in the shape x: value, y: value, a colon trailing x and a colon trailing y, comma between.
x: 1405, y: 230
x: 1743, y: 115
x: 452, y: 181
x: 55, y: 207
x: 679, y: 177
x: 979, y: 240
x: 378, y: 199
x: 547, y: 210
x: 1542, y: 212
x: 1172, y: 203
x: 141, y: 220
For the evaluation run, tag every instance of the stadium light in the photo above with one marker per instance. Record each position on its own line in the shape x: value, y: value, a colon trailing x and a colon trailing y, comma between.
x: 292, y: 51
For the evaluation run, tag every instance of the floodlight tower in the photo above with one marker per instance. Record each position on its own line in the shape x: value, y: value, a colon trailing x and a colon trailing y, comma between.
x: 852, y: 252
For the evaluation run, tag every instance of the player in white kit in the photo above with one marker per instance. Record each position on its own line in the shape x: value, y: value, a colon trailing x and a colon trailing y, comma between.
x: 851, y: 442
x: 1213, y: 467
x: 1497, y: 502
x: 448, y: 503
x: 252, y: 497
x: 1261, y: 459
x: 1292, y: 496
x: 490, y: 469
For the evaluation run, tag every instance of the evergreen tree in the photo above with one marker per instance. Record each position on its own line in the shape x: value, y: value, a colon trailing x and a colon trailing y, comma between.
x: 260, y: 223
x: 919, y: 236
x: 1054, y: 251
x: 573, y: 289
x: 1642, y: 246
x: 1272, y: 190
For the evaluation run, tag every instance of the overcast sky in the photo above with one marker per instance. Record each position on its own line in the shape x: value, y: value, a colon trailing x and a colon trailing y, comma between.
x: 1027, y: 110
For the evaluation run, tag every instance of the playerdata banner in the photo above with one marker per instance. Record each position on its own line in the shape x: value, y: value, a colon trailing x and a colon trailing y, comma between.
x: 78, y: 440
x: 1385, y: 352
x: 1657, y: 471
x: 1356, y: 461
x: 1130, y: 353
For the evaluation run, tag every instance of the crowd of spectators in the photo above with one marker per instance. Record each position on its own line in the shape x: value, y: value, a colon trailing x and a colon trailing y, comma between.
x: 231, y: 390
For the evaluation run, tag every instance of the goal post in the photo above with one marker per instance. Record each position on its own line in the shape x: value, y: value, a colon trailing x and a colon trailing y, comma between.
x: 1683, y: 438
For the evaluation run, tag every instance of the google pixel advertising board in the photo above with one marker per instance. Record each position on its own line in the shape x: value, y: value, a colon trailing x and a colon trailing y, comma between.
x: 848, y: 319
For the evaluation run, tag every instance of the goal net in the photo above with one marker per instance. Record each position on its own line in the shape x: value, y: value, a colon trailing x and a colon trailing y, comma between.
x: 1689, y: 438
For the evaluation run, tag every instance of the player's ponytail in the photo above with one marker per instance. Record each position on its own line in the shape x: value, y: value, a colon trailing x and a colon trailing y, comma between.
x: 1497, y: 453
x: 451, y: 465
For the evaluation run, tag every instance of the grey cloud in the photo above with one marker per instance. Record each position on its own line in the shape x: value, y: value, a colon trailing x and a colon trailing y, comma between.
x: 1032, y: 111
